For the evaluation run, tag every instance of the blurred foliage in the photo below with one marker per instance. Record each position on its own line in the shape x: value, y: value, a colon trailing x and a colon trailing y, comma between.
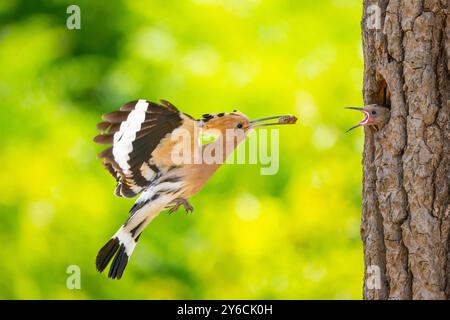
x: 294, y: 235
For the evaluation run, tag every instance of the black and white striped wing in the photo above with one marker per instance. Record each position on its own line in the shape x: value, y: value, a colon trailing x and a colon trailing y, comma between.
x: 135, y: 132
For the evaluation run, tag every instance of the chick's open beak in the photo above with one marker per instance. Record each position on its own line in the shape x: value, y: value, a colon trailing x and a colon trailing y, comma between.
x: 364, y: 121
x: 287, y: 119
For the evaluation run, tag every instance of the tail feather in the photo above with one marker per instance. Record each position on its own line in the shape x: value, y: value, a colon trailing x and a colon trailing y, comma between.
x: 119, y: 263
x: 120, y: 246
x: 106, y: 253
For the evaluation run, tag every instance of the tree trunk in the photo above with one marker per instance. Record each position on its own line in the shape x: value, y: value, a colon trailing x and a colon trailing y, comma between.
x: 406, y: 208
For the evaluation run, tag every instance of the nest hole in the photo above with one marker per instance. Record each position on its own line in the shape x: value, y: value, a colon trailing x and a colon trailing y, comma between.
x: 383, y: 95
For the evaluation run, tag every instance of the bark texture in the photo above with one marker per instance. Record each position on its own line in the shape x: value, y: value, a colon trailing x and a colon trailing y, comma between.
x: 406, y: 208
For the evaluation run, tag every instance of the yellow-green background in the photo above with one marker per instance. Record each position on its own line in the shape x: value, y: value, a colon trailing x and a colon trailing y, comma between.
x: 294, y: 235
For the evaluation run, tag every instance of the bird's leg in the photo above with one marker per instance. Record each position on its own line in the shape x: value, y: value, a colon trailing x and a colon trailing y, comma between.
x: 175, y: 205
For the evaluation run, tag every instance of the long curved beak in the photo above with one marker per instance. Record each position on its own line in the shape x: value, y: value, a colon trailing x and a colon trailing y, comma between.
x: 286, y: 119
x: 363, y: 121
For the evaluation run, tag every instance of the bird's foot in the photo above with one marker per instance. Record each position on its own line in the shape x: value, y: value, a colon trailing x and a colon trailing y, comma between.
x: 175, y: 205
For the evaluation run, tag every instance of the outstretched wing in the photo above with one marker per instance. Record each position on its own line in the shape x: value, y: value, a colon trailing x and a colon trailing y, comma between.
x: 135, y: 131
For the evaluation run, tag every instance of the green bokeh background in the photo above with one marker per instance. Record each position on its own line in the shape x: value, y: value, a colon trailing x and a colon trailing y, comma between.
x: 294, y: 235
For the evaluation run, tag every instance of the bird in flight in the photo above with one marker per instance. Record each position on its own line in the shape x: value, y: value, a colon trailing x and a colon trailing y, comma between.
x: 375, y: 116
x: 144, y: 160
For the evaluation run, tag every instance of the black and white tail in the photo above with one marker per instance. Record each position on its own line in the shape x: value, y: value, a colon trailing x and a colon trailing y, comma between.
x: 122, y: 243
x: 120, y: 246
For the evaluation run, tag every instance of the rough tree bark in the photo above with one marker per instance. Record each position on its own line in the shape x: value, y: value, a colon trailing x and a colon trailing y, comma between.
x: 406, y: 210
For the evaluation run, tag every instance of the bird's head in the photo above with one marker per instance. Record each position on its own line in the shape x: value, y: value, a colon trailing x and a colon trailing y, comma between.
x: 225, y: 121
x: 228, y: 130
x: 238, y: 121
x: 374, y: 115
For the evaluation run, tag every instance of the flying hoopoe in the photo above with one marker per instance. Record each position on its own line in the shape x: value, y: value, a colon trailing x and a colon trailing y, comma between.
x: 141, y: 159
x: 375, y: 116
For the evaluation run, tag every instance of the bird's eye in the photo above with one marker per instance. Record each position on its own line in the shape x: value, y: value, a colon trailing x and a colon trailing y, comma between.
x: 239, y: 126
x: 374, y: 112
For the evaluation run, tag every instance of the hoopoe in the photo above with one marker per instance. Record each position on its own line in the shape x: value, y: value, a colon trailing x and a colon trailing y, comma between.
x: 141, y: 159
x: 375, y: 116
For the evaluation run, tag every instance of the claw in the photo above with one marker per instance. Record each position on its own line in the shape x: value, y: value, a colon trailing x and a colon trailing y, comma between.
x: 174, y: 208
x: 178, y: 202
x: 189, y: 208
